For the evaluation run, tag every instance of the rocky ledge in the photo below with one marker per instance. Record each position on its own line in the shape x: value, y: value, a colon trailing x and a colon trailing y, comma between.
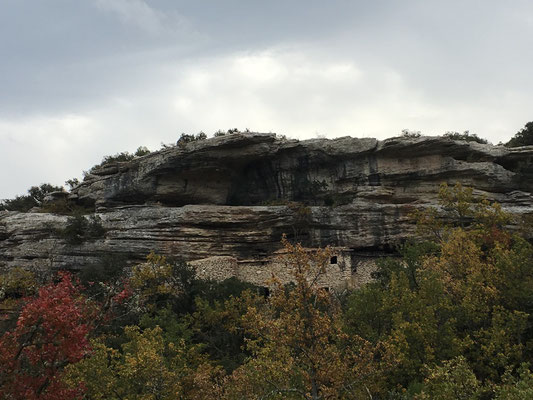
x: 232, y: 197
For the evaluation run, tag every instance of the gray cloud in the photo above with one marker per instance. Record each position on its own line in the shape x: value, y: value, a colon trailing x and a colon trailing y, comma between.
x: 84, y: 79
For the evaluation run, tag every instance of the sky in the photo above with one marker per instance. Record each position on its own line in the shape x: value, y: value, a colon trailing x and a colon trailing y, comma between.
x: 80, y: 80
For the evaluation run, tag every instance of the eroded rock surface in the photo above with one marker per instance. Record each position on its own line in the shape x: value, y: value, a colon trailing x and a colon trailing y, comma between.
x: 228, y: 198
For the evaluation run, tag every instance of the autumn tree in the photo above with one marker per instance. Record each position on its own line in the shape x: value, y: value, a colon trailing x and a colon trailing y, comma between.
x: 299, y: 349
x: 145, y: 368
x: 454, y: 380
x: 463, y: 289
x: 51, y: 332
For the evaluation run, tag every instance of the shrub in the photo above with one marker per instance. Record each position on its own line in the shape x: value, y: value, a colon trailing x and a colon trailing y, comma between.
x: 34, y: 198
x: 524, y: 137
x: 406, y: 133
x: 142, y: 151
x: 108, y: 270
x: 79, y: 229
x: 466, y: 136
x: 186, y: 138
x: 17, y: 283
x: 121, y: 157
x: 72, y: 183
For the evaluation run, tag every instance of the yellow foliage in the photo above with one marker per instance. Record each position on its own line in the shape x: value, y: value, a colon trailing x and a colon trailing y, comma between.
x: 146, y: 369
x: 298, y: 344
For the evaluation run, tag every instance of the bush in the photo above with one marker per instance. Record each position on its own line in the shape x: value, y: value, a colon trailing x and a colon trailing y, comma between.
x: 466, y: 136
x: 142, y: 151
x: 122, y: 157
x: 524, y: 137
x: 108, y: 269
x: 79, y: 229
x: 72, y: 183
x: 65, y: 206
x: 34, y: 198
x: 17, y: 283
x: 185, y: 138
x: 406, y: 133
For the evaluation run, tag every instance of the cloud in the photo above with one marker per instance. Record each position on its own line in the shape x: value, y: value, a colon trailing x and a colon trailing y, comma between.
x: 89, y: 79
x: 286, y: 90
x: 42, y: 149
x: 139, y: 14
x: 296, y: 93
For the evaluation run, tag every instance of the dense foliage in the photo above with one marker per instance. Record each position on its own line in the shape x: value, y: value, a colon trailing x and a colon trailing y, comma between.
x: 451, y: 318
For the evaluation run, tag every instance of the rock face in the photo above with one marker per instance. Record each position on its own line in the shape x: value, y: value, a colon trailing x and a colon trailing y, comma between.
x: 228, y: 200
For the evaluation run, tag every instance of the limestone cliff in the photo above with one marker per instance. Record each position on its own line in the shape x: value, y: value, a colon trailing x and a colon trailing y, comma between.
x: 228, y: 198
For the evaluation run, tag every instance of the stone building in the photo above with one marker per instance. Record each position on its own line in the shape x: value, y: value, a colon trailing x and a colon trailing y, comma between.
x: 346, y: 269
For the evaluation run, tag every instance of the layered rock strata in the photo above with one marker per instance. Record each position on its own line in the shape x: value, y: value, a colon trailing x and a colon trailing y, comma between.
x: 224, y: 203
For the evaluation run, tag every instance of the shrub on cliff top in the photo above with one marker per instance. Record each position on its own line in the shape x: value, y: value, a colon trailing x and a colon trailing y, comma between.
x: 34, y: 198
x: 466, y: 136
x: 186, y: 138
x: 122, y: 157
x: 524, y: 137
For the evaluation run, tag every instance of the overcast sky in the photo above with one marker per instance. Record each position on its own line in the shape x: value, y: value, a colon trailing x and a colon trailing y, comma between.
x: 83, y: 79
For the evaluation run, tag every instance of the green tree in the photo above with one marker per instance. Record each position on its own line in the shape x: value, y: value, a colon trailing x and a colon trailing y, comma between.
x: 524, y: 137
x: 80, y: 228
x: 145, y: 368
x: 34, y: 198
x: 454, y: 380
x: 465, y: 292
x: 517, y: 386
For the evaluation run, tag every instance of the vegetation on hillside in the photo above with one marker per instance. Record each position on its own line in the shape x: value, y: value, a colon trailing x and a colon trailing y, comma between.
x: 466, y: 136
x: 450, y: 319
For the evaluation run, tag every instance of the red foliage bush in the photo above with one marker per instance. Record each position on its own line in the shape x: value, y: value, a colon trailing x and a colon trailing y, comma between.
x: 51, y: 332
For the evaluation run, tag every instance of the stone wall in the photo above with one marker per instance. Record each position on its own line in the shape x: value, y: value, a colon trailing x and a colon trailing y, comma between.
x: 340, y: 273
x: 217, y: 268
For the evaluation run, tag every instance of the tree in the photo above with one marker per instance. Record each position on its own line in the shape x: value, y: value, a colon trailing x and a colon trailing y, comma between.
x: 51, y: 332
x: 34, y: 198
x: 465, y: 289
x: 79, y: 228
x: 145, y: 368
x: 514, y: 387
x: 299, y: 349
x: 454, y: 380
x: 524, y: 137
